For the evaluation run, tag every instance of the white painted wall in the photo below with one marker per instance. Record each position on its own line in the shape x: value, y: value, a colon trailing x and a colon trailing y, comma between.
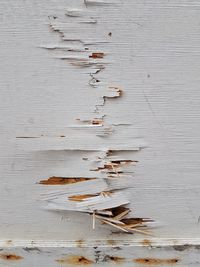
x: 153, y: 55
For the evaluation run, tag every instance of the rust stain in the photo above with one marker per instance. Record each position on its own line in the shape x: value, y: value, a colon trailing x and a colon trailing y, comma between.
x: 146, y: 242
x: 10, y: 257
x: 113, y: 259
x: 97, y: 55
x: 54, y: 180
x: 75, y: 260
x: 155, y: 261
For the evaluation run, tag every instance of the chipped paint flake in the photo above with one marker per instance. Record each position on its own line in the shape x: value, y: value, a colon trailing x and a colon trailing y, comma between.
x: 97, y: 55
x: 106, y: 192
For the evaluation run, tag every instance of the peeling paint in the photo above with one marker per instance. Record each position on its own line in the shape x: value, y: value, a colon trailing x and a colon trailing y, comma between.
x: 118, y: 91
x: 97, y: 2
x: 80, y: 198
x: 79, y: 50
x: 97, y: 55
x: 74, y: 12
x: 63, y: 180
x: 113, y: 166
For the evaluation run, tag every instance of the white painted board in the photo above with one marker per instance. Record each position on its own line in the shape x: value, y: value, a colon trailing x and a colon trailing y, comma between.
x: 146, y: 90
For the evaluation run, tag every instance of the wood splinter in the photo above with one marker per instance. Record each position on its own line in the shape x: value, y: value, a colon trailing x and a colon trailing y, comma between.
x: 116, y: 221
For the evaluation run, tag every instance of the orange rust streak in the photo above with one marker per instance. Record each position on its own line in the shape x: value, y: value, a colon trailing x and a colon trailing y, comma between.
x: 97, y: 55
x: 75, y: 260
x: 155, y: 261
x: 10, y: 257
x: 115, y: 259
x: 63, y: 180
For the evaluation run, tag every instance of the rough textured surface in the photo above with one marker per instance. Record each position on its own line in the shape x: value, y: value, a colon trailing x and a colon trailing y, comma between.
x: 134, y: 90
x: 98, y: 255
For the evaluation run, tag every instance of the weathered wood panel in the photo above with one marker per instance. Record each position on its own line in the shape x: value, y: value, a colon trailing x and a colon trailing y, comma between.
x: 80, y: 79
